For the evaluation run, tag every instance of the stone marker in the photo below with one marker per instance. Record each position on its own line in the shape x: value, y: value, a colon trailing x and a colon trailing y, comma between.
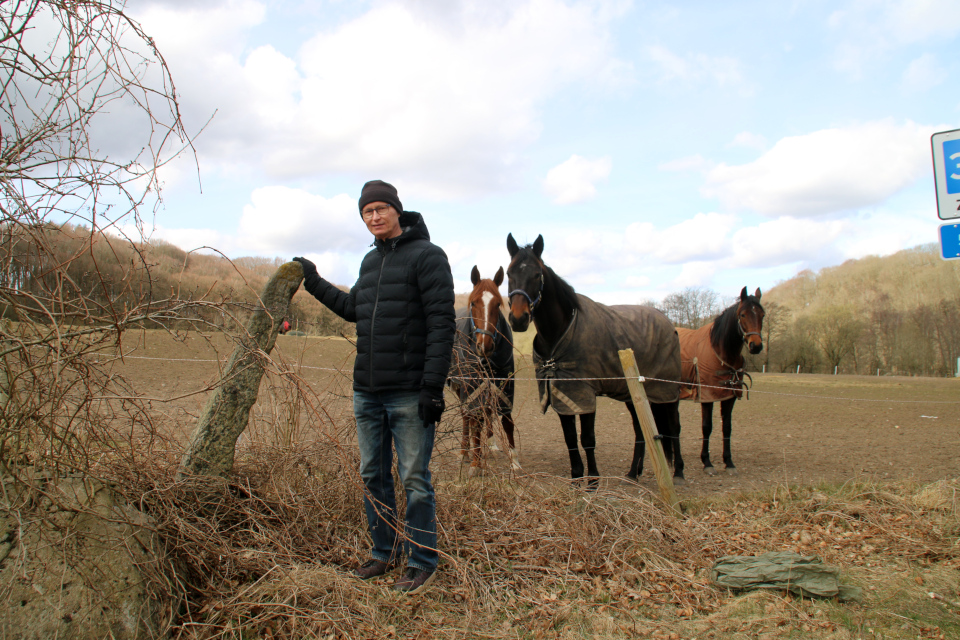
x: 79, y: 563
x: 227, y: 411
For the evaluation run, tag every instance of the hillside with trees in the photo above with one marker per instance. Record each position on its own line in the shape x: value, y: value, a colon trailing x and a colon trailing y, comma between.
x: 896, y: 315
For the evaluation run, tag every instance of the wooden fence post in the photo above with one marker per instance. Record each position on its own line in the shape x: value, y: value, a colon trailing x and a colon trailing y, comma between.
x: 649, y: 427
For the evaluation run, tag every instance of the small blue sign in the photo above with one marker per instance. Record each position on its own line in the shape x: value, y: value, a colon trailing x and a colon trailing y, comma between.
x: 951, y: 160
x: 950, y: 241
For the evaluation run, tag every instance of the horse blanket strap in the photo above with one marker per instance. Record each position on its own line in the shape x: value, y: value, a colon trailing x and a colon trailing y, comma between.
x: 704, y: 369
x: 471, y: 373
x: 589, y: 348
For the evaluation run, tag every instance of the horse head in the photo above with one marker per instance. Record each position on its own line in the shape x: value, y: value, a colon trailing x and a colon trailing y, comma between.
x: 750, y: 320
x: 485, y: 302
x: 525, y: 281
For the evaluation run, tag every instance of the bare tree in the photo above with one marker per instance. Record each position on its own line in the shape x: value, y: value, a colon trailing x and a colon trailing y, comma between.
x: 692, y: 307
x: 70, y: 71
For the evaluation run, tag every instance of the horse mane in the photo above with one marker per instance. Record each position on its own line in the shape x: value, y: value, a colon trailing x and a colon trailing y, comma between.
x: 564, y: 291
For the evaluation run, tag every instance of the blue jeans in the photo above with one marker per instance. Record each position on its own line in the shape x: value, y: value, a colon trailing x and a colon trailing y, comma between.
x: 385, y: 421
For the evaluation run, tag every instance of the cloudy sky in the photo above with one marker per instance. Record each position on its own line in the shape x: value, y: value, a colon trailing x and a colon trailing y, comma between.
x: 655, y: 145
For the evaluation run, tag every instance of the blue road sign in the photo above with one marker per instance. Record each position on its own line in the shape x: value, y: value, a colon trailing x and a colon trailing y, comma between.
x: 946, y: 172
x: 950, y: 241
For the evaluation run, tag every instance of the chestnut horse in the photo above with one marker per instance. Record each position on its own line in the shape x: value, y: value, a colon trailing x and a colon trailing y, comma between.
x: 712, y: 359
x: 576, y: 353
x: 481, y: 373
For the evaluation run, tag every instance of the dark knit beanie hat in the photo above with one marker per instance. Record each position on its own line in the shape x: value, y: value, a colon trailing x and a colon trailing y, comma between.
x: 380, y: 191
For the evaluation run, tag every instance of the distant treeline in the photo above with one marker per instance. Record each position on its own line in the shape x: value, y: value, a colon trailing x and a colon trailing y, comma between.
x: 67, y: 273
x: 896, y: 315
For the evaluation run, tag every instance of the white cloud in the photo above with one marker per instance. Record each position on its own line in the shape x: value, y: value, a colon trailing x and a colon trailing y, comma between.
x: 827, y: 171
x: 282, y: 221
x: 923, y: 73
x: 702, y: 237
x: 403, y: 89
x: 636, y: 282
x: 784, y: 241
x: 575, y: 180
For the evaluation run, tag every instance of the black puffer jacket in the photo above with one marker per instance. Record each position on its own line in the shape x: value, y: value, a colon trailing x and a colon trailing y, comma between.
x: 404, y: 310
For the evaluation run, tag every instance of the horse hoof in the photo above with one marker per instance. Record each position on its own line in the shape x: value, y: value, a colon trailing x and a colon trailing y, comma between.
x: 710, y: 471
x: 679, y: 482
x: 634, y: 480
x: 732, y: 471
x: 494, y: 447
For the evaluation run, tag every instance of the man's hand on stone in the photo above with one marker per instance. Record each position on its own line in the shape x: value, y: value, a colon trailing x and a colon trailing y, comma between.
x: 309, y: 269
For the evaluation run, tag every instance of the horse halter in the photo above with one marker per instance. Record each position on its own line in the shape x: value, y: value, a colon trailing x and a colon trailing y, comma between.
x: 743, y: 333
x: 531, y: 302
x: 483, y: 332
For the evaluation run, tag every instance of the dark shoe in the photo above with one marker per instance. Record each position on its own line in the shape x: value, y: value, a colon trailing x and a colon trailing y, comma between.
x: 414, y: 581
x: 371, y: 569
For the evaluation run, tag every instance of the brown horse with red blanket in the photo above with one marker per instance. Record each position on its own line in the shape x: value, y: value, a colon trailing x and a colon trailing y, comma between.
x: 712, y: 362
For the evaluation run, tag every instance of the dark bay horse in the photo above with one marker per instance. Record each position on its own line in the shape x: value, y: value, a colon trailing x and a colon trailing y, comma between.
x: 481, y: 373
x: 712, y: 358
x: 576, y: 356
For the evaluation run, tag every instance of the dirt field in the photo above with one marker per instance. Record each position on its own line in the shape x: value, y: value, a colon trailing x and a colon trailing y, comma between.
x: 794, y: 428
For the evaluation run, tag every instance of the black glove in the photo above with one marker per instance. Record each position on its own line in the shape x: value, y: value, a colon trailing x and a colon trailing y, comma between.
x: 309, y: 269
x: 431, y: 405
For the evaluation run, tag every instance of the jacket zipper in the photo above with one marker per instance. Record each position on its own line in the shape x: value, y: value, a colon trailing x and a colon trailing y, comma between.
x: 373, y: 320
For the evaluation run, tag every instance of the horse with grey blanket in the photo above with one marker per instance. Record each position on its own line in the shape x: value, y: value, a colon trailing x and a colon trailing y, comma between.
x: 481, y: 372
x: 576, y: 353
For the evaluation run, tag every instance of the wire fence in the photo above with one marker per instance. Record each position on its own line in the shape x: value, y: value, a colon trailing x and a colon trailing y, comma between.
x: 597, y: 379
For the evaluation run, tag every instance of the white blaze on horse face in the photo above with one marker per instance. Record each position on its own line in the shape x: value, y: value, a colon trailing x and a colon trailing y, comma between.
x: 486, y: 298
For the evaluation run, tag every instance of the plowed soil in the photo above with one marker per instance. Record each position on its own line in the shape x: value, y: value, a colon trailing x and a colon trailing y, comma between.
x: 800, y: 429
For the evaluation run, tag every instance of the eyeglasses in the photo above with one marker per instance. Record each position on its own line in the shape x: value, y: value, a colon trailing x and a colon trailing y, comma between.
x: 380, y: 211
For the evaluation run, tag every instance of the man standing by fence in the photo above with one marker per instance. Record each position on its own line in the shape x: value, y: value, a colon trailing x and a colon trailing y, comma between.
x: 403, y: 305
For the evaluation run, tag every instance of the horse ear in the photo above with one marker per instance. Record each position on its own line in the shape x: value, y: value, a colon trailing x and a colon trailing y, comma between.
x: 512, y: 245
x: 757, y: 294
x: 475, y: 275
x: 498, y: 279
x: 743, y: 294
x: 538, y: 246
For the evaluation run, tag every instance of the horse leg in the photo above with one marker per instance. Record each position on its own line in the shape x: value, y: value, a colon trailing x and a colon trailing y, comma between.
x: 476, y: 451
x: 465, y: 440
x: 569, y: 426
x: 726, y: 425
x: 507, y: 421
x: 706, y: 424
x: 667, y: 417
x: 639, y: 445
x: 491, y: 419
x: 588, y: 438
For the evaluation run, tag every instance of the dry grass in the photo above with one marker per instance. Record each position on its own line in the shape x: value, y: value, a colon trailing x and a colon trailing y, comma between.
x: 268, y: 556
